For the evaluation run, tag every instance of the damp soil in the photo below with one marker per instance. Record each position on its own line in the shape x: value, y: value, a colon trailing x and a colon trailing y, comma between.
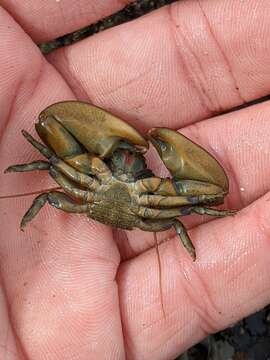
x: 250, y: 338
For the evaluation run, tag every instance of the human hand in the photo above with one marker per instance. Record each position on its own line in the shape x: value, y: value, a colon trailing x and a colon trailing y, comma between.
x: 66, y: 291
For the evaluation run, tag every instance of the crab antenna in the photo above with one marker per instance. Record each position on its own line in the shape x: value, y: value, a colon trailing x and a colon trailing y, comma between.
x: 30, y: 193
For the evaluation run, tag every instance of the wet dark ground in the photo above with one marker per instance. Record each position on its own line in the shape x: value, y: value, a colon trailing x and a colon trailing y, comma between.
x: 250, y: 338
x: 130, y: 12
x: 247, y: 340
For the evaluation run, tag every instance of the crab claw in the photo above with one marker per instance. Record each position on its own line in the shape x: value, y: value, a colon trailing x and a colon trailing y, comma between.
x: 97, y: 130
x: 185, y: 159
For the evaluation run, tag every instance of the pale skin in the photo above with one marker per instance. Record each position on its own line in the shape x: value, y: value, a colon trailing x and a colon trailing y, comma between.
x: 71, y: 288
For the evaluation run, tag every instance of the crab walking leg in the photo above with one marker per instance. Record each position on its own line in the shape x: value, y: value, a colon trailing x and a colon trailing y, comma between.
x: 174, y: 187
x: 173, y: 201
x: 96, y: 165
x: 150, y: 213
x: 161, y: 225
x: 62, y: 202
x: 91, y: 165
x: 35, y: 165
x: 37, y: 204
x: 74, y: 175
x: 40, y: 147
x: 56, y: 199
x: 155, y: 185
x: 68, y: 186
x: 155, y: 225
x: 201, y: 210
x: 185, y: 239
x: 100, y: 169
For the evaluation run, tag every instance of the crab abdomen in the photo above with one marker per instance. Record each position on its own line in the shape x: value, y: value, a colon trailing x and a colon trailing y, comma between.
x: 113, y: 205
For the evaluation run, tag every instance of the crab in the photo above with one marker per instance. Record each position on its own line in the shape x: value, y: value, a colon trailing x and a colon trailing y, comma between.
x: 98, y: 161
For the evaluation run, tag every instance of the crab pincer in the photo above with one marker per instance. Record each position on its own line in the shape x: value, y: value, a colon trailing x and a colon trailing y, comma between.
x: 196, y: 174
x: 98, y: 131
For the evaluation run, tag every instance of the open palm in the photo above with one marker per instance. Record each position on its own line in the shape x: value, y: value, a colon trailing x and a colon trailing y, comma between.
x: 71, y: 288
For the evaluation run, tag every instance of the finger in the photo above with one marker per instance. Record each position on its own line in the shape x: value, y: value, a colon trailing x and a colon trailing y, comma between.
x: 63, y: 279
x: 229, y: 280
x: 23, y: 94
x: 45, y: 20
x: 9, y: 348
x: 243, y: 151
x: 177, y: 65
x: 58, y: 278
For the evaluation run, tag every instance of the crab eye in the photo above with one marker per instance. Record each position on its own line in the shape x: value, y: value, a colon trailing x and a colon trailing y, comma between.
x: 163, y: 146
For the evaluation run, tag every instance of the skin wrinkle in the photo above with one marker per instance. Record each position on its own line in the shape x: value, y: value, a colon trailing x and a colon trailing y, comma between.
x: 151, y: 245
x: 263, y: 225
x: 205, y: 322
x: 240, y: 273
x: 74, y: 85
x: 60, y: 6
x: 93, y: 8
x: 255, y: 297
x: 10, y: 111
x: 172, y: 335
x: 211, y: 105
x: 129, y: 82
x: 184, y: 66
x: 208, y: 311
x: 85, y: 344
x: 194, y: 341
x: 233, y: 183
x: 18, y: 343
x: 4, y: 346
x: 125, y: 334
x: 126, y: 337
x: 169, y: 337
x: 122, y: 242
x: 6, y: 339
x: 19, y: 84
x: 7, y: 351
x: 226, y: 61
x: 38, y: 77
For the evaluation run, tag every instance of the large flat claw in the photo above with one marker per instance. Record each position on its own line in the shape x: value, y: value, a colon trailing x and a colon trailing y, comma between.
x: 97, y: 130
x: 187, y: 160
